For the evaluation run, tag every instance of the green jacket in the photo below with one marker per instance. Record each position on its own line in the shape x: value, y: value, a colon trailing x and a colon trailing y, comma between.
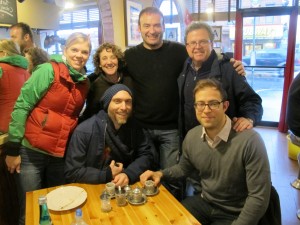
x: 31, y: 93
x: 14, y: 60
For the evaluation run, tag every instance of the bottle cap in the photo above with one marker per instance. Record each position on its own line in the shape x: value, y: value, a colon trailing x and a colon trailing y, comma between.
x: 42, y: 199
x: 78, y: 212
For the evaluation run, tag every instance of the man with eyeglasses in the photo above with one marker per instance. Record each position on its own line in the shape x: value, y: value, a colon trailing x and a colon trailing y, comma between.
x: 154, y: 66
x: 233, y: 166
x: 245, y: 105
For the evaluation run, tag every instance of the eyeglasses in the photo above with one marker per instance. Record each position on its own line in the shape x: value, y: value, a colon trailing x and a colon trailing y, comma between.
x: 200, y: 106
x: 193, y: 44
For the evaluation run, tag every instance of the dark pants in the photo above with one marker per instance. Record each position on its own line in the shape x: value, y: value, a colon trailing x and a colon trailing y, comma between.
x: 9, y: 205
x: 38, y: 171
x: 205, y: 213
x: 166, y: 143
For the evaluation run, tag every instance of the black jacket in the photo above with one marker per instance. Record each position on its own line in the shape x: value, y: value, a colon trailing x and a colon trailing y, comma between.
x: 243, y: 100
x: 293, y: 107
x: 85, y: 153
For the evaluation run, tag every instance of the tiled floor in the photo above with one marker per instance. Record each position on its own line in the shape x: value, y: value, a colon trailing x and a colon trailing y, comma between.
x: 284, y: 170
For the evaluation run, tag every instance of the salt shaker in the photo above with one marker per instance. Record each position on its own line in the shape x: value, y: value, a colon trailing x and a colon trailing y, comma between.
x: 127, y: 189
x: 137, y: 195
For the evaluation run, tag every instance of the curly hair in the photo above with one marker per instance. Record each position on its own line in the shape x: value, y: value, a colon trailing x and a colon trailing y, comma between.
x: 115, y: 50
x: 37, y: 55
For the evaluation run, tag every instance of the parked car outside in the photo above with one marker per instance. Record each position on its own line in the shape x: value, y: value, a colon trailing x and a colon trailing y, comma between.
x: 260, y: 60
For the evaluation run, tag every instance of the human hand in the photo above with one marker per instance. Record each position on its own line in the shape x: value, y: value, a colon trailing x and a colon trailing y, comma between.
x: 238, y: 66
x: 116, y: 168
x: 121, y: 179
x: 242, y: 123
x: 13, y: 163
x: 155, y: 176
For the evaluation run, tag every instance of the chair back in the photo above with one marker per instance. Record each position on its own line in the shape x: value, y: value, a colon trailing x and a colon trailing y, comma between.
x: 273, y: 213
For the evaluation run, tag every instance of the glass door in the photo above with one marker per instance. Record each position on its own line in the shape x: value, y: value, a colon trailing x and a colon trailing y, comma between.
x: 264, y: 57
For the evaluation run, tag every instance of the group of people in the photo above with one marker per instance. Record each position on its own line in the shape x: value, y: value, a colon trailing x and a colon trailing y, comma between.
x: 143, y: 113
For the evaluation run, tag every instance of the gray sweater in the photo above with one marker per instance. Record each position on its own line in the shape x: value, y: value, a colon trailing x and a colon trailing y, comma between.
x: 235, y: 176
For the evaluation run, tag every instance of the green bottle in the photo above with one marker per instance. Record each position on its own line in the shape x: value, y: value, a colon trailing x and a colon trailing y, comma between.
x: 45, y: 218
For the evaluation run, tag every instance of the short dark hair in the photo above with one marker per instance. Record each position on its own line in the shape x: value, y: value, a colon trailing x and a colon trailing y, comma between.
x: 213, y: 83
x: 25, y: 29
x: 197, y: 26
x: 151, y: 10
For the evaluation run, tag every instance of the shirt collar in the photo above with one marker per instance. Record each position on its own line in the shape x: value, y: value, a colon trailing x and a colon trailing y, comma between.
x: 223, y: 134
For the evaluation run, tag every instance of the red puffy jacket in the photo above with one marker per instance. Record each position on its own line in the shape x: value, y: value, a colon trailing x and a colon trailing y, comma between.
x: 11, y: 82
x: 55, y: 116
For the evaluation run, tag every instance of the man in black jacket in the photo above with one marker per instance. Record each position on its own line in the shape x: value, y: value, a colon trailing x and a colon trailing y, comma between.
x: 245, y: 107
x: 109, y: 146
x: 293, y: 111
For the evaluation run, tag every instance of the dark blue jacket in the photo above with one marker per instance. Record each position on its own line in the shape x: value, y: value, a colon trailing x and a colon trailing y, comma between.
x: 243, y: 100
x: 293, y: 107
x: 84, y: 157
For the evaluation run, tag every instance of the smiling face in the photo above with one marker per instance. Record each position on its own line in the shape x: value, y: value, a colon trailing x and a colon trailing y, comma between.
x: 119, y: 108
x: 108, y: 62
x: 152, y: 28
x: 77, y: 54
x: 203, y: 48
x: 211, y: 120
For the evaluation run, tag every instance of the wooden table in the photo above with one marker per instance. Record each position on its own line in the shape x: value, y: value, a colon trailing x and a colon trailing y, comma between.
x: 160, y: 209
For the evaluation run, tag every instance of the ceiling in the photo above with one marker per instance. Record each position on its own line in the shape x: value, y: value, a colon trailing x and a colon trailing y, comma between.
x: 76, y: 2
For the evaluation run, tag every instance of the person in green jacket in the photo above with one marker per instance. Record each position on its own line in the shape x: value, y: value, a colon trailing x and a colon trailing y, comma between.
x: 45, y: 114
x: 13, y: 75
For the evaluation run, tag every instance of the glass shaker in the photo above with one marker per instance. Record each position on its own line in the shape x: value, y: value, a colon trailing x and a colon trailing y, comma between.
x: 136, y: 194
x: 105, y: 202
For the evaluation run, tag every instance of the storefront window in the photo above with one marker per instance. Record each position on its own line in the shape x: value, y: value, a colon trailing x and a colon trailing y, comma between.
x: 264, y: 3
x: 172, y: 25
x: 79, y: 20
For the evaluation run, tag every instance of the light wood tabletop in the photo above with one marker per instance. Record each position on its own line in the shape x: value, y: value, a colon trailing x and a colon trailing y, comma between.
x: 161, y: 209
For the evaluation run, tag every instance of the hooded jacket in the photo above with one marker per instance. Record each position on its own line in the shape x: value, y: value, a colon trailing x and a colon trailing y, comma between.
x: 49, y: 104
x: 13, y: 75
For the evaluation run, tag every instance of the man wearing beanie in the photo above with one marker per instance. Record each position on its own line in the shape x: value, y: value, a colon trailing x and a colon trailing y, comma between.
x: 109, y: 146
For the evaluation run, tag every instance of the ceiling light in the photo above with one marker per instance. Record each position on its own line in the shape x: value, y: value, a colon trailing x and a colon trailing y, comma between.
x: 210, y: 8
x: 69, y: 5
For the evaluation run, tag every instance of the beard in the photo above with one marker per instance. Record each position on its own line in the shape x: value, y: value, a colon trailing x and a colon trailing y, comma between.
x: 121, y: 121
x: 117, y: 119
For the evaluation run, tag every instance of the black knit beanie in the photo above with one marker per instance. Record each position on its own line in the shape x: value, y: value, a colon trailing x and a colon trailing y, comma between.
x: 110, y: 92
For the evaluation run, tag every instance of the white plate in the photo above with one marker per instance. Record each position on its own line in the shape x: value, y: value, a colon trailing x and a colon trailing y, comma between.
x: 65, y: 198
